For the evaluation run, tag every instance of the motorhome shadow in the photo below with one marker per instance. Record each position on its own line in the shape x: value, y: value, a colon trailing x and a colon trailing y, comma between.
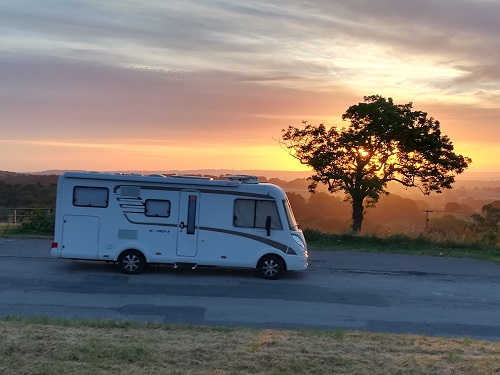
x: 137, y: 220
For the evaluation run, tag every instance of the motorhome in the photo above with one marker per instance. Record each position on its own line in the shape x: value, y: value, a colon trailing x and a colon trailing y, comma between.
x: 183, y: 221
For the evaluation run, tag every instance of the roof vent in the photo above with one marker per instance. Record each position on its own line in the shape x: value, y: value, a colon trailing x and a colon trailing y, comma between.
x: 243, y: 178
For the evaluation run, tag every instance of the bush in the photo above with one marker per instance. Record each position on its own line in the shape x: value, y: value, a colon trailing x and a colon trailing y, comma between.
x: 313, y: 234
x: 487, y: 225
x: 38, y: 222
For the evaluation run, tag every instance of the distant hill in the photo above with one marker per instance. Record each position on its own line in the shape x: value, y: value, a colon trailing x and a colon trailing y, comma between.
x: 468, y: 180
x: 27, y: 178
x: 479, y: 176
x: 283, y: 175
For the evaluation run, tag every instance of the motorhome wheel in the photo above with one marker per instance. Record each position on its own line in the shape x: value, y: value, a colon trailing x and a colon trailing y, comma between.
x: 270, y: 267
x: 132, y: 262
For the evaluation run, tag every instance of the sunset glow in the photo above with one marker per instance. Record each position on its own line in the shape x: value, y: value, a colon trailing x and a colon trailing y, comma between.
x: 168, y: 85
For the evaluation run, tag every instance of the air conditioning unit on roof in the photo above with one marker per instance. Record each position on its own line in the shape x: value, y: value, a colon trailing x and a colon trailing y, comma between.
x: 243, y: 178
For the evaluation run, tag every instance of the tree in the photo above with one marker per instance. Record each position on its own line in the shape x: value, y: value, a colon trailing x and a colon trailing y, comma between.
x: 384, y: 142
x: 487, y: 225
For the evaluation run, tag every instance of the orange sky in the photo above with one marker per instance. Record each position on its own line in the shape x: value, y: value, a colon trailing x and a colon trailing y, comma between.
x: 135, y: 85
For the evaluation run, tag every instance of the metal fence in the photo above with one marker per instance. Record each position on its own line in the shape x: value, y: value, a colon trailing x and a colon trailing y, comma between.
x: 16, y: 215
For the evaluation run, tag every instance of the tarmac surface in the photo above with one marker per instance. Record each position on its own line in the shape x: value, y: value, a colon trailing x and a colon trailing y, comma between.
x: 341, y: 290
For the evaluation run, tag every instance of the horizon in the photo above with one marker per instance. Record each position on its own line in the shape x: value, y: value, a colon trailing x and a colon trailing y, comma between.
x: 106, y: 86
x: 285, y: 175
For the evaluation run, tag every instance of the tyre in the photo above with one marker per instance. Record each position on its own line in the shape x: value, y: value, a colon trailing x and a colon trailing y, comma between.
x: 270, y: 267
x: 132, y: 262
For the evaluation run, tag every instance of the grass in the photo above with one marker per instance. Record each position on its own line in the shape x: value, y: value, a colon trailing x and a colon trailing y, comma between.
x: 55, y: 346
x: 401, y: 244
x: 10, y: 230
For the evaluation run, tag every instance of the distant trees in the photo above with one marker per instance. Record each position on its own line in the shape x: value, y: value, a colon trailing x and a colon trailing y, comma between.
x: 384, y: 142
x: 452, y: 207
x: 23, y: 194
x: 320, y: 211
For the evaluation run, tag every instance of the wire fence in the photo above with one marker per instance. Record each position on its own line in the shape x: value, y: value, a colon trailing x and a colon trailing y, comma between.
x: 16, y: 215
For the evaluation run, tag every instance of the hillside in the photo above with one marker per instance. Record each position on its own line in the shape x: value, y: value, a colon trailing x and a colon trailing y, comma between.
x: 27, y: 178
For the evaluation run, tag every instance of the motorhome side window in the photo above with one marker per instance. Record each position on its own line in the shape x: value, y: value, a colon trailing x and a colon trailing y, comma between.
x: 157, y: 208
x: 87, y: 196
x: 251, y: 213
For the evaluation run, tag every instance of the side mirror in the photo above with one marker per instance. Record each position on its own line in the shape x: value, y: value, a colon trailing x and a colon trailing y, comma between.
x: 268, y: 225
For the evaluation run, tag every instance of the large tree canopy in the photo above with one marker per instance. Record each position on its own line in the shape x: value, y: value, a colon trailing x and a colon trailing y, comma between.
x: 383, y: 142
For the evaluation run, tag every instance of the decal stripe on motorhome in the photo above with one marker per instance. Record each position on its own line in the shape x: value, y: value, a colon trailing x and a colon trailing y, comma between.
x: 275, y: 244
x: 278, y: 245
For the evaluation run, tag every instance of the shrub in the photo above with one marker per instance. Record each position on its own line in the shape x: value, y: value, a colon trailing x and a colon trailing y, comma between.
x: 38, y: 222
x: 487, y: 225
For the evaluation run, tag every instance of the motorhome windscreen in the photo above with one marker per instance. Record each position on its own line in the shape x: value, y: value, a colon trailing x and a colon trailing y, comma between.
x: 289, y: 214
x: 250, y: 213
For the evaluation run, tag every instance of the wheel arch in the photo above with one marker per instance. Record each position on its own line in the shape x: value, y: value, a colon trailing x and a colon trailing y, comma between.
x: 131, y: 246
x: 132, y: 261
x: 274, y: 253
x: 271, y: 266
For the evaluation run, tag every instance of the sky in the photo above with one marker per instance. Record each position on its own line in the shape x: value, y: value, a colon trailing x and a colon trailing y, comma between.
x: 162, y: 85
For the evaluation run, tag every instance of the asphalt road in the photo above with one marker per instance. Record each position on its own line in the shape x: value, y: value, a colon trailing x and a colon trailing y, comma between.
x: 341, y: 290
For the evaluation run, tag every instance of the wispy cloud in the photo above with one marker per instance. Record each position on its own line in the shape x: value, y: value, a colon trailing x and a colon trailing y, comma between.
x: 301, y: 41
x: 191, y: 71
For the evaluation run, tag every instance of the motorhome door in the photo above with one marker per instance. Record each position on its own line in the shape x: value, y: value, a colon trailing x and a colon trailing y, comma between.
x: 80, y: 236
x: 187, y: 230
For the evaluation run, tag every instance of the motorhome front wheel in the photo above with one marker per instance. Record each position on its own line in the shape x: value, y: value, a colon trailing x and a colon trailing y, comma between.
x: 270, y: 267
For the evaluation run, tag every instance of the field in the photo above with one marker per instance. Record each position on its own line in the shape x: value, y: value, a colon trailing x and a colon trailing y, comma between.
x: 47, y: 346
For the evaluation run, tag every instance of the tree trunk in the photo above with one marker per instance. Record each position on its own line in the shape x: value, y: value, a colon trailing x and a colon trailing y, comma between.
x: 357, y: 213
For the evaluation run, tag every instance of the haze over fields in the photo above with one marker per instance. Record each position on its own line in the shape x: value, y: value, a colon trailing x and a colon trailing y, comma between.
x: 188, y: 85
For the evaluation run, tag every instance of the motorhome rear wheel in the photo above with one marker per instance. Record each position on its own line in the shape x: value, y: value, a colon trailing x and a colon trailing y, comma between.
x: 132, y: 262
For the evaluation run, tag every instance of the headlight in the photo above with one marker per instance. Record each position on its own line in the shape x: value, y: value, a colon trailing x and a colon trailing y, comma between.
x: 299, y: 241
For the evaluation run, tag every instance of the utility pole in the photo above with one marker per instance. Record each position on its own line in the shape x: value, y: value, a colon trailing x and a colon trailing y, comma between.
x: 427, y: 219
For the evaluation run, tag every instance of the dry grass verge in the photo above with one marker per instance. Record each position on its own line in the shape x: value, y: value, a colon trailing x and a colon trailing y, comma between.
x: 79, y: 347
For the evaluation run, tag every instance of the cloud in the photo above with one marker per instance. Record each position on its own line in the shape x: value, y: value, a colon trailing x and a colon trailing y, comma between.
x: 65, y: 99
x: 206, y: 73
x: 302, y: 41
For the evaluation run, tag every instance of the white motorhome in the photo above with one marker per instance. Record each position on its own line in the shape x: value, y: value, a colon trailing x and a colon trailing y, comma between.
x: 184, y: 221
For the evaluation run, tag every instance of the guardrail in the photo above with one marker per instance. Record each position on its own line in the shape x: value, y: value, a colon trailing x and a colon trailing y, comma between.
x: 16, y: 215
